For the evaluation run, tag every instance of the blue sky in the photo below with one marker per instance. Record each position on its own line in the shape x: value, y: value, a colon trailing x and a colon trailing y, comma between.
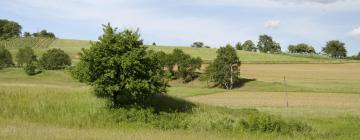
x: 181, y: 22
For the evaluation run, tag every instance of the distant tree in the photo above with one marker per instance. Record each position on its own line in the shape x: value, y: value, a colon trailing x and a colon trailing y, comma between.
x: 184, y: 64
x: 27, y: 34
x: 9, y: 29
x: 335, y: 48
x: 249, y: 46
x: 24, y: 55
x: 5, y: 58
x: 55, y: 59
x: 119, y: 66
x: 267, y: 45
x: 301, y: 48
x: 238, y: 46
x: 198, y: 45
x: 44, y: 33
x: 207, y: 46
x: 154, y: 44
x: 225, y: 68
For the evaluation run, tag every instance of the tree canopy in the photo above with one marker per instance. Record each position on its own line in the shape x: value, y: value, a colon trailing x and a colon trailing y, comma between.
x: 24, y: 55
x: 301, y: 48
x: 335, y: 48
x: 9, y: 29
x: 238, y: 46
x: 249, y: 46
x: 55, y: 59
x: 5, y: 58
x: 225, y: 68
x: 267, y: 45
x: 119, y: 66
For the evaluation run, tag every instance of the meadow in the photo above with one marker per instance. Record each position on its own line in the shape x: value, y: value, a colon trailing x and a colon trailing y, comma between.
x: 323, y: 102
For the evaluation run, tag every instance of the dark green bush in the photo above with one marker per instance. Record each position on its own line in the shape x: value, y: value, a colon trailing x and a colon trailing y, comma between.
x: 55, y: 59
x: 24, y: 55
x: 5, y: 58
x: 32, y: 68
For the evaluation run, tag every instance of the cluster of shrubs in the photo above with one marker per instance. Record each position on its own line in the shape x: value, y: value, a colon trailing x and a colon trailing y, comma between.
x: 214, y: 119
x: 51, y: 60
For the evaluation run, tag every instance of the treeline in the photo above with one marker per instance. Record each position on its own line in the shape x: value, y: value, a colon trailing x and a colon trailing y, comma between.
x: 12, y: 29
x: 266, y: 44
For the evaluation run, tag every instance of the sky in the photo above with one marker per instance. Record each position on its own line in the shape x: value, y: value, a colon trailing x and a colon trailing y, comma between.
x: 181, y: 22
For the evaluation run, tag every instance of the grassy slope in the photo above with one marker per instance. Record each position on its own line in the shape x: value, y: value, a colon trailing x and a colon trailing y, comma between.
x: 73, y: 47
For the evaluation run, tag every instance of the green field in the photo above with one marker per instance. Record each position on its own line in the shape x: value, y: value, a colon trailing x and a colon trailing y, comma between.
x: 52, y: 105
x: 73, y: 47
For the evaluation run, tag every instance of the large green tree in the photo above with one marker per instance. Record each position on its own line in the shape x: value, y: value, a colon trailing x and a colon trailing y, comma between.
x: 335, y: 48
x: 225, y: 69
x: 119, y: 66
x: 267, y: 45
x: 9, y: 29
x: 5, y: 58
x: 301, y: 48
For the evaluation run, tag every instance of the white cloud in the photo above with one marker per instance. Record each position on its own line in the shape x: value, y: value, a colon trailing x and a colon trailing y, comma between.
x: 272, y: 24
x: 355, y: 32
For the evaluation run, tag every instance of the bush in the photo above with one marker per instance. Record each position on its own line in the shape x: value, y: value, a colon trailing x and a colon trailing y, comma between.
x: 55, y: 59
x: 32, y: 68
x: 24, y: 56
x: 197, y: 45
x: 5, y: 58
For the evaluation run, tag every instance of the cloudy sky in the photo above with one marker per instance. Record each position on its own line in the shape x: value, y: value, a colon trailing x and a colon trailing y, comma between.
x: 181, y: 22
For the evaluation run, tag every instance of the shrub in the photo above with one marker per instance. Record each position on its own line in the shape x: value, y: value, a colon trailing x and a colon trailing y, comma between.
x: 32, y: 68
x: 55, y: 59
x: 24, y: 55
x: 198, y: 45
x: 5, y: 58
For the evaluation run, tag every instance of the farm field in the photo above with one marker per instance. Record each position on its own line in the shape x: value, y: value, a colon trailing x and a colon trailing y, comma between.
x: 73, y: 48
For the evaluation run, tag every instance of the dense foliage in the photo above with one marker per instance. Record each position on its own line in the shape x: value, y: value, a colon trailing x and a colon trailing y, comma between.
x: 335, y: 48
x: 9, y: 29
x: 198, y: 45
x: 249, y: 46
x: 119, y: 66
x: 55, y: 59
x: 44, y: 33
x: 267, y: 45
x: 225, y: 68
x: 5, y: 58
x: 24, y: 55
x: 238, y: 46
x: 32, y: 67
x: 301, y: 48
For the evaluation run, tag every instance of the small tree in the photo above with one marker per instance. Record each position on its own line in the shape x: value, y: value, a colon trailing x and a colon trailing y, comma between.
x: 238, y: 46
x: 335, y: 48
x: 249, y: 46
x: 198, y: 45
x: 5, y: 58
x: 267, y: 45
x: 24, y: 55
x: 118, y: 65
x: 185, y: 65
x: 225, y: 68
x: 55, y: 59
x: 27, y: 34
x: 154, y: 44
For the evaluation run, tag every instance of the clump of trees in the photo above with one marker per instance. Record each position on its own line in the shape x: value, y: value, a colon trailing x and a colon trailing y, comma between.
x: 5, y: 58
x: 247, y: 46
x: 301, y: 48
x: 335, y: 48
x: 267, y: 45
x: 119, y: 66
x: 27, y: 59
x: 224, y: 70
x: 54, y: 59
x: 199, y: 45
x: 44, y: 33
x: 179, y: 65
x: 9, y: 29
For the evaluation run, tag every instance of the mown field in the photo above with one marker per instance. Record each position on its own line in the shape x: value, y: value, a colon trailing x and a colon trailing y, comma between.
x: 52, y: 105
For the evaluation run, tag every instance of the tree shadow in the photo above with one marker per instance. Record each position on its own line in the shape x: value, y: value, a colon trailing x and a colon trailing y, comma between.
x: 158, y: 103
x: 241, y: 82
